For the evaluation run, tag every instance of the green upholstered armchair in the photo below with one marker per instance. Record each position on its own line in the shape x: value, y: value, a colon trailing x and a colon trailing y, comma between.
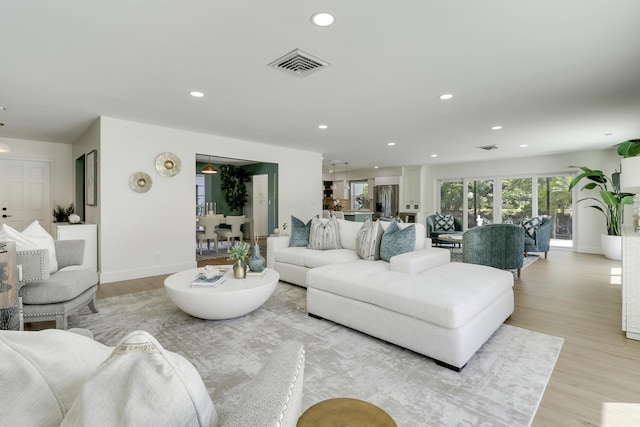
x: 540, y: 241
x: 433, y: 233
x: 496, y: 245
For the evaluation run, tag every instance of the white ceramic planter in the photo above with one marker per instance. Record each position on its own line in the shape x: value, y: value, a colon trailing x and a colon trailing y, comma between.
x: 612, y: 246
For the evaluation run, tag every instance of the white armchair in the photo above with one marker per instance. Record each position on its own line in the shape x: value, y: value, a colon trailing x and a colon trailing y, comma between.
x: 235, y: 231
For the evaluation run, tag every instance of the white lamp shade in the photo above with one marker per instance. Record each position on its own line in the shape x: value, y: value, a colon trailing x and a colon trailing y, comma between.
x: 630, y: 176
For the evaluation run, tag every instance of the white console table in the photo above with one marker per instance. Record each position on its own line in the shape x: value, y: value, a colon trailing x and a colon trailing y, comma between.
x: 631, y: 283
x: 86, y: 232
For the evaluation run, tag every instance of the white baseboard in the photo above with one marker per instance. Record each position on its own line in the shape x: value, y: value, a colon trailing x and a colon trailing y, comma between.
x: 137, y: 273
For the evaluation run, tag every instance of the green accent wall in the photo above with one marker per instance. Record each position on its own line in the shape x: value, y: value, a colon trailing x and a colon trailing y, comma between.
x: 214, y: 194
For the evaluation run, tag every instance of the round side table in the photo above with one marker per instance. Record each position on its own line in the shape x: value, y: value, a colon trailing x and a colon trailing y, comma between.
x: 345, y: 412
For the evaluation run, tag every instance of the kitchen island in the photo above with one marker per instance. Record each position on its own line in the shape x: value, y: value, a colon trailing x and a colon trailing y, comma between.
x: 357, y: 216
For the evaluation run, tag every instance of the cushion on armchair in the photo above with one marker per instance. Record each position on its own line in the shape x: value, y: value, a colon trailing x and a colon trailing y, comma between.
x: 444, y: 222
x: 530, y: 225
x: 33, y: 237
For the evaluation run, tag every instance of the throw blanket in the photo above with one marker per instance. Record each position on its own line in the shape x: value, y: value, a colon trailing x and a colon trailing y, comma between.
x: 53, y: 377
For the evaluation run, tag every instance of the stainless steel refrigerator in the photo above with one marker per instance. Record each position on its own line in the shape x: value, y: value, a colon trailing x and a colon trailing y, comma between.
x: 386, y: 201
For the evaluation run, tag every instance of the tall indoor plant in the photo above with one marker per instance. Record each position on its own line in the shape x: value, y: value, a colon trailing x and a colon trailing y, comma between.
x: 611, y: 204
x: 233, y: 182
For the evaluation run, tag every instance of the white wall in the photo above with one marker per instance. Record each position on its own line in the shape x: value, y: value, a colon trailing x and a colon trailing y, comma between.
x: 589, y: 224
x: 144, y: 234
x: 60, y: 159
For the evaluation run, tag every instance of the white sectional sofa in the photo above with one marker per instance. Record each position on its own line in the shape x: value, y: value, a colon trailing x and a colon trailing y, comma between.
x: 418, y: 300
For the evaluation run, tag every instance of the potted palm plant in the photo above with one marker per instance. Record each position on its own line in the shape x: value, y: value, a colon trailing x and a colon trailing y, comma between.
x: 611, y: 205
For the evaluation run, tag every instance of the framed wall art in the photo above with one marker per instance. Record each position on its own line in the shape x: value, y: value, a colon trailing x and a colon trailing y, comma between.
x: 90, y: 177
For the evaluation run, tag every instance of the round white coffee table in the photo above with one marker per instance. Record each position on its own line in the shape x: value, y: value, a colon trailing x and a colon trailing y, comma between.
x: 233, y: 298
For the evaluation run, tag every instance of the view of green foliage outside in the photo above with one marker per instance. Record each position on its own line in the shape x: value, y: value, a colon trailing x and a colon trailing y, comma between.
x: 360, y: 191
x: 480, y: 200
x: 451, y: 201
x: 554, y: 200
x: 517, y: 200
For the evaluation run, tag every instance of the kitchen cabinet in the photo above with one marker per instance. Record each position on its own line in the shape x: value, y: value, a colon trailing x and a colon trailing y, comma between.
x: 86, y: 232
x: 410, y: 189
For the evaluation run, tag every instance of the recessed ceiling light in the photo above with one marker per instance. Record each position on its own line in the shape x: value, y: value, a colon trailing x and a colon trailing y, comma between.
x: 375, y: 167
x: 323, y: 19
x: 391, y: 144
x: 434, y: 155
x: 446, y: 96
x: 496, y: 127
x: 322, y: 126
x: 196, y: 94
x: 524, y: 145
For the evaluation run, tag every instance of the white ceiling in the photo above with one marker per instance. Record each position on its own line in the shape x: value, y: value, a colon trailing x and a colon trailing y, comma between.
x: 557, y: 75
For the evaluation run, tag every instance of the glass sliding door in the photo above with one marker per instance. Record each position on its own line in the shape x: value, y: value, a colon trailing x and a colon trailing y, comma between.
x: 517, y: 200
x: 555, y: 201
x: 480, y: 202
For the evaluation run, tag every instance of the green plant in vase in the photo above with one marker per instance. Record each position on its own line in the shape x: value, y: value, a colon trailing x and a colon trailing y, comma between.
x: 238, y: 253
x: 62, y: 214
x: 613, y: 200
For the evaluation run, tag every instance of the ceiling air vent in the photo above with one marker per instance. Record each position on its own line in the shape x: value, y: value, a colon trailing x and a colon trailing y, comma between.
x: 488, y: 147
x: 299, y: 63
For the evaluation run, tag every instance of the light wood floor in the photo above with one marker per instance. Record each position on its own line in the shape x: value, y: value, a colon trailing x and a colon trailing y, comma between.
x: 570, y: 295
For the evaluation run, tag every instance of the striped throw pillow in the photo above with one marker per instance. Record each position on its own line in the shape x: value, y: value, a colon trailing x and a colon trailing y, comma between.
x: 324, y: 236
x: 368, y: 240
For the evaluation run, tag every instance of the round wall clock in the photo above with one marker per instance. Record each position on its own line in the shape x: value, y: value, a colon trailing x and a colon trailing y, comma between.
x: 168, y: 164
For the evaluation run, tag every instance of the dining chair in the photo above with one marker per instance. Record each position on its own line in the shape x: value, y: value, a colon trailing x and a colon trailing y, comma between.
x: 235, y: 231
x: 209, y: 227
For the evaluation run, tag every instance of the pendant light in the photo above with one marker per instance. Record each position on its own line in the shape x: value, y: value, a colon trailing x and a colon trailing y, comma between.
x: 4, y: 147
x: 333, y: 185
x: 347, y: 186
x: 209, y: 169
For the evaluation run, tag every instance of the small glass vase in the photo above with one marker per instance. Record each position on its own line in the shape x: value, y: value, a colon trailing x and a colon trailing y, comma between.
x: 239, y: 269
x: 256, y: 261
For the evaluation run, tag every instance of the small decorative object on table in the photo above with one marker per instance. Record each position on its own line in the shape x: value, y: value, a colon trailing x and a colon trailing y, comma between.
x: 74, y: 219
x: 256, y: 261
x: 210, y: 277
x: 238, y: 253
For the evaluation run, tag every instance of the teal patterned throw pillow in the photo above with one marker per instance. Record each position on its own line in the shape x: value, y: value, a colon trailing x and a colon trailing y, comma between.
x: 299, y: 232
x: 531, y: 225
x: 444, y: 222
x: 396, y: 241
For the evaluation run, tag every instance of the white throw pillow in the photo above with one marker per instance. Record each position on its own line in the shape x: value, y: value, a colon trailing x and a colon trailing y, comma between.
x: 324, y: 236
x: 142, y: 384
x: 33, y: 237
x: 368, y: 240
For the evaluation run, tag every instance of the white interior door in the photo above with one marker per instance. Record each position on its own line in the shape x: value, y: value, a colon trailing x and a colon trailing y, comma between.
x: 25, y: 193
x: 260, y: 204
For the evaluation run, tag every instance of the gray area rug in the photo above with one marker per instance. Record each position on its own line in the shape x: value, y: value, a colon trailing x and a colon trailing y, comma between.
x: 527, y: 261
x: 501, y: 385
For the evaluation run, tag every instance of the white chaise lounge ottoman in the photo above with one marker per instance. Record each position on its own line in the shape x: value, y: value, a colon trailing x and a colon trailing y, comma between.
x: 446, y: 312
